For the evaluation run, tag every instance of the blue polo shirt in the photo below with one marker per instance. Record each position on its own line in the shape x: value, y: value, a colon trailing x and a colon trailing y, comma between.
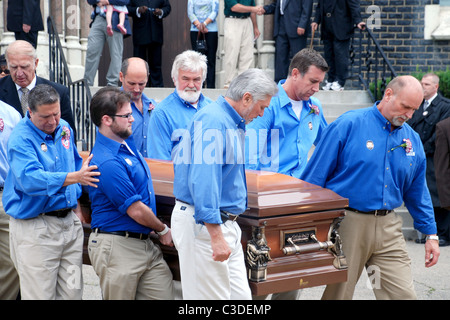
x: 358, y: 158
x: 125, y: 178
x: 141, y: 122
x: 279, y: 141
x: 209, y: 163
x: 9, y: 117
x: 171, y: 114
x: 39, y: 164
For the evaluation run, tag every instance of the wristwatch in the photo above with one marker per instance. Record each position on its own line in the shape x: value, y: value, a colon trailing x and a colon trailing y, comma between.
x: 163, y: 232
x: 432, y: 238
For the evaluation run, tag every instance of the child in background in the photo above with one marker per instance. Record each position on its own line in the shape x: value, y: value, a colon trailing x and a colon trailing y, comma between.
x: 122, y: 11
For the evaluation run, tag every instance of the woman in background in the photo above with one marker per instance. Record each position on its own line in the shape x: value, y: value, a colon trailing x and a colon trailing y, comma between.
x: 203, y: 14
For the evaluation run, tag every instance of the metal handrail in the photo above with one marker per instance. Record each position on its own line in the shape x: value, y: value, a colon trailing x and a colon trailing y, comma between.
x: 80, y: 94
x: 370, y: 65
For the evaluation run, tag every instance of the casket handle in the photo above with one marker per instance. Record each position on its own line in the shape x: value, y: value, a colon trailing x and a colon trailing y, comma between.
x: 310, y: 247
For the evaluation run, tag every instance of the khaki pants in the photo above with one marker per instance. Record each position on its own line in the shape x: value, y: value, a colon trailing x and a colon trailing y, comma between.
x: 9, y: 280
x: 377, y: 243
x: 237, y: 46
x: 130, y: 268
x: 47, y: 253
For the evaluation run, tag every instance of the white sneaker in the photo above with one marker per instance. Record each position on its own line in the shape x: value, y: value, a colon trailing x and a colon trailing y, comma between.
x: 327, y: 86
x: 335, y: 86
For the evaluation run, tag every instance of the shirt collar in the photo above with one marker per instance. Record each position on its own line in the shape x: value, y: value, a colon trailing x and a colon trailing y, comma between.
x: 431, y: 99
x: 282, y: 95
x: 383, y: 121
x: 29, y: 87
x: 41, y: 133
x: 189, y: 105
x: 237, y: 119
x: 146, y: 101
x: 114, y: 146
x: 284, y: 98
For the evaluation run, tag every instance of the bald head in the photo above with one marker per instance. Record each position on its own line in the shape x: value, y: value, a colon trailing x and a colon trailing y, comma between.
x: 402, y: 97
x: 134, y: 77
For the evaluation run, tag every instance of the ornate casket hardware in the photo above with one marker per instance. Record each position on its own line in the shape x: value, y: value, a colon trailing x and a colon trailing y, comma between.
x: 258, y: 254
x: 302, y: 241
x: 340, y: 262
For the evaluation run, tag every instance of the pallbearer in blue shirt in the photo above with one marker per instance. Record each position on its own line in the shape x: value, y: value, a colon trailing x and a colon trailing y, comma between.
x: 375, y: 159
x: 130, y: 266
x: 175, y: 111
x: 9, y: 284
x: 41, y: 194
x: 281, y: 139
x: 134, y: 76
x: 211, y: 191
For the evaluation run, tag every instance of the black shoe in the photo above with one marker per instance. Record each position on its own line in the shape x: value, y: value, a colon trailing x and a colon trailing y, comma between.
x: 443, y: 243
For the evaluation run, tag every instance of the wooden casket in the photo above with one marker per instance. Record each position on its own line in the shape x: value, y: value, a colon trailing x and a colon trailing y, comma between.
x: 289, y: 232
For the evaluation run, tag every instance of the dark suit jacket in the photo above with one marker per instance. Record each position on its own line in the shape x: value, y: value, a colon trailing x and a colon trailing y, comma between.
x: 297, y: 14
x: 442, y: 162
x: 148, y: 28
x: 345, y: 14
x: 425, y: 126
x: 19, y: 14
x: 8, y: 94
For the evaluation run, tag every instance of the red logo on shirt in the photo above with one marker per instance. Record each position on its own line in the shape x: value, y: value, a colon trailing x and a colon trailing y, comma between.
x: 2, y: 125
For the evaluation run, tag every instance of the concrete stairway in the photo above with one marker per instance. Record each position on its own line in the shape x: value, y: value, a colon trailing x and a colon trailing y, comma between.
x: 336, y: 103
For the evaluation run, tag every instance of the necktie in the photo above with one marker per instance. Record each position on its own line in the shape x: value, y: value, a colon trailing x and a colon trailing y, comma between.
x: 425, y: 105
x: 24, y: 100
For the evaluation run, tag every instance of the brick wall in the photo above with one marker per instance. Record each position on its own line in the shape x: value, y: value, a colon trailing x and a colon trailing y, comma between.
x: 401, y: 36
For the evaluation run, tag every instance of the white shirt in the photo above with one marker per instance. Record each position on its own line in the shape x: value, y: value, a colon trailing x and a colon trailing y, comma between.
x: 29, y: 87
x: 297, y: 106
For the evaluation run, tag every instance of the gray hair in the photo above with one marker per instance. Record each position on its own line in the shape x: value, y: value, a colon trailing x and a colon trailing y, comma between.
x: 42, y: 94
x: 254, y: 81
x: 20, y: 47
x: 189, y: 60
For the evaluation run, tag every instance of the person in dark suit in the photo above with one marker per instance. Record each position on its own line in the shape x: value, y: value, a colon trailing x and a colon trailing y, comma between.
x: 433, y: 109
x: 337, y: 19
x: 25, y: 20
x: 442, y: 162
x: 148, y: 18
x: 22, y: 63
x: 291, y: 19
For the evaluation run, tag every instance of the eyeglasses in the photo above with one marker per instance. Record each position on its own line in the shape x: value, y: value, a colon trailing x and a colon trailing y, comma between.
x: 128, y: 115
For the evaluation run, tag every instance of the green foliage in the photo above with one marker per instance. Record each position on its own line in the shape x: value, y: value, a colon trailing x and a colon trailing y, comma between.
x: 444, y: 80
x: 380, y: 88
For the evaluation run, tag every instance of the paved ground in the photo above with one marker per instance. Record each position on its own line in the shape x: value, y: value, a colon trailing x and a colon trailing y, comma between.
x: 430, y: 283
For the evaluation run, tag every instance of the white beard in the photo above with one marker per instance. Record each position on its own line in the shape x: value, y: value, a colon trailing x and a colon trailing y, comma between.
x: 189, y: 95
